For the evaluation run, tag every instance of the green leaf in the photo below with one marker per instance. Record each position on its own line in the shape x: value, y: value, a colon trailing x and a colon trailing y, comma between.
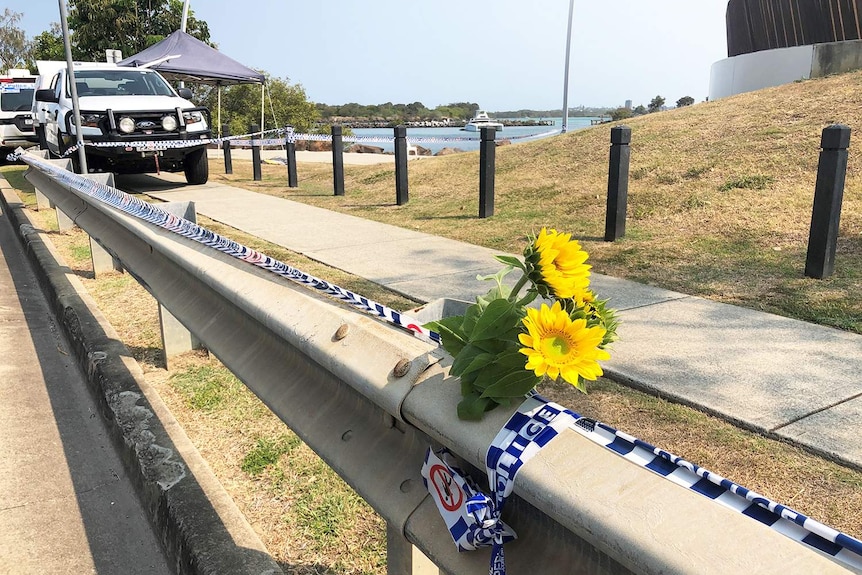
x: 473, y: 407
x: 511, y: 261
x: 512, y: 385
x: 499, y: 317
x: 500, y: 290
x: 471, y: 316
x: 450, y: 332
x: 464, y: 358
x: 480, y: 361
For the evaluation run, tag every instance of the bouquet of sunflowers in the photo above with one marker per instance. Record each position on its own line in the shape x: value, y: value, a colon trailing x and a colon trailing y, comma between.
x: 564, y: 340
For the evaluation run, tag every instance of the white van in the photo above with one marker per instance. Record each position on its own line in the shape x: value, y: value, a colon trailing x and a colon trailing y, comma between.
x: 16, y: 117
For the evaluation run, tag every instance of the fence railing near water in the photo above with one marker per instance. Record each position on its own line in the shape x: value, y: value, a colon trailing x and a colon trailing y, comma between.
x: 370, y: 399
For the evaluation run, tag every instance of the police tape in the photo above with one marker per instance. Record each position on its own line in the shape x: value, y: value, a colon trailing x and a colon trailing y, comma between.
x: 474, y: 519
x: 290, y: 136
x: 152, y: 214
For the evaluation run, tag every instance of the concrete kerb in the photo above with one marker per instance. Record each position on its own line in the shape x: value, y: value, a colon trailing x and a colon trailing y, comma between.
x: 198, y: 524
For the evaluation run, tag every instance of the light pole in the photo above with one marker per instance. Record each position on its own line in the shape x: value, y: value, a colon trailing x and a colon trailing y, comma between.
x: 566, y: 74
x: 183, y: 28
x: 185, y: 15
x: 73, y: 90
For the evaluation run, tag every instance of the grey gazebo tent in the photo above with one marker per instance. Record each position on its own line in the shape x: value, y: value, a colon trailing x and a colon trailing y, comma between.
x: 185, y: 58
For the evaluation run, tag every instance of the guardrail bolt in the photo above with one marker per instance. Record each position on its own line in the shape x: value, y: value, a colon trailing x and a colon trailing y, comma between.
x: 341, y: 332
x: 401, y: 368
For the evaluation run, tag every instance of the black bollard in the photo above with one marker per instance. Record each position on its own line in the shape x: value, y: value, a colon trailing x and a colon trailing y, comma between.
x: 618, y: 183
x: 225, y: 145
x: 487, y: 156
x: 828, y: 196
x: 337, y: 161
x: 290, y: 146
x: 255, y: 151
x: 401, y: 165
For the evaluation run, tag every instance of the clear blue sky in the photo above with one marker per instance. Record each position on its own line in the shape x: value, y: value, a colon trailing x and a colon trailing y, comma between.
x: 502, y: 54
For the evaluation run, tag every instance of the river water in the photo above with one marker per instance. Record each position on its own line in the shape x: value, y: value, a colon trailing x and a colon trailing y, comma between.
x: 467, y: 141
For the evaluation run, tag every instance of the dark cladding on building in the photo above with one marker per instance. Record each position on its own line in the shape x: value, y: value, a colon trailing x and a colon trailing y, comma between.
x: 755, y: 25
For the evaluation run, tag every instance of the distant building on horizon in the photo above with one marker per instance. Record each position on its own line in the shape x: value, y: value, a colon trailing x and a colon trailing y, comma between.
x: 628, y: 104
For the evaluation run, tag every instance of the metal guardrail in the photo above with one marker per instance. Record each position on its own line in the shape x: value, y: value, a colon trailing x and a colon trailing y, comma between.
x: 369, y: 399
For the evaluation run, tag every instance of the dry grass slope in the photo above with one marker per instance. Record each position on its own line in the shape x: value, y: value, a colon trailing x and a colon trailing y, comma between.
x: 720, y: 198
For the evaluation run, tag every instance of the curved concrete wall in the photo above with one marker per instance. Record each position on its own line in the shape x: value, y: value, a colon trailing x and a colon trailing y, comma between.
x: 749, y: 72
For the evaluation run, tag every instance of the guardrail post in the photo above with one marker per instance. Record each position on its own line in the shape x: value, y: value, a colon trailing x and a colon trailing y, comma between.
x: 337, y: 161
x: 225, y: 145
x: 487, y: 156
x: 402, y: 558
x: 103, y: 260
x: 255, y: 151
x: 176, y: 338
x: 42, y: 201
x: 290, y: 146
x: 828, y: 197
x: 618, y: 183
x: 401, y: 165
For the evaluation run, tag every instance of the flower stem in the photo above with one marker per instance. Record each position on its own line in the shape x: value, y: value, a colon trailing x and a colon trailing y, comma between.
x: 517, y: 289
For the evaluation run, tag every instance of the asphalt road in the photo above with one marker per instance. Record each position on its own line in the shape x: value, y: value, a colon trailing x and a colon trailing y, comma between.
x: 66, y: 504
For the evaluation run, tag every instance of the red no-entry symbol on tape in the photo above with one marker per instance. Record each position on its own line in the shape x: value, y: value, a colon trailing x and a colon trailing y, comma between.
x: 448, y: 492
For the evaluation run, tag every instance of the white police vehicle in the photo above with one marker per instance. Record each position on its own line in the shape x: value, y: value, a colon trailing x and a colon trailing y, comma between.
x: 16, y: 119
x: 119, y: 105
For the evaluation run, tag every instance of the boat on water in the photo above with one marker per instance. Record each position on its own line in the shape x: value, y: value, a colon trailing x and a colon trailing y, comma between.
x: 481, y: 120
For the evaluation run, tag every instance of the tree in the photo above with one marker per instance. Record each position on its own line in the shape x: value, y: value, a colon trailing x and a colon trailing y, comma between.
x: 684, y: 101
x: 240, y: 106
x: 48, y: 46
x: 126, y: 25
x: 14, y: 48
x: 655, y: 104
x: 639, y: 110
x: 621, y: 114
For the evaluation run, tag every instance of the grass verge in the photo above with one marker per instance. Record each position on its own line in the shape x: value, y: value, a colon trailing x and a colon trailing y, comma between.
x: 719, y: 201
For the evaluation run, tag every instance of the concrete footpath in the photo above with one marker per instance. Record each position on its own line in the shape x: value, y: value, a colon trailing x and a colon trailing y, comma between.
x: 66, y: 503
x: 777, y: 376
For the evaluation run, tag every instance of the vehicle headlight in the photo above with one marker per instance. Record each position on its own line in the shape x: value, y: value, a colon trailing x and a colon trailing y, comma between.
x: 126, y: 125
x: 193, y: 117
x: 91, y: 120
x: 169, y: 123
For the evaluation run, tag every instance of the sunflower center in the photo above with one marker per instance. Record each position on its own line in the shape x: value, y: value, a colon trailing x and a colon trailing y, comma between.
x: 556, y: 348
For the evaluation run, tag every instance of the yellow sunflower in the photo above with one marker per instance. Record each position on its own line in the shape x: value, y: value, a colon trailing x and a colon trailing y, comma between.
x: 557, y: 346
x: 559, y: 261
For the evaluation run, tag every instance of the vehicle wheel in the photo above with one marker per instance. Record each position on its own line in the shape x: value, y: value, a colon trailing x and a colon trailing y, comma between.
x: 196, y: 167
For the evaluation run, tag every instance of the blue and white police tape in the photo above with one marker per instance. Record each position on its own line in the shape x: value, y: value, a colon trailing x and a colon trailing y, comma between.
x: 473, y: 518
x: 843, y: 548
x: 153, y: 214
x: 537, y: 421
x: 156, y: 145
